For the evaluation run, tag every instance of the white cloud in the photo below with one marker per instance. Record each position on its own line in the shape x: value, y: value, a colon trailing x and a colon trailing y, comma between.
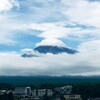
x: 50, y: 30
x: 51, y: 41
x: 90, y: 46
x: 82, y: 11
x: 62, y: 64
x: 29, y: 51
x: 6, y: 5
x: 55, y: 30
x: 58, y: 30
x: 7, y: 30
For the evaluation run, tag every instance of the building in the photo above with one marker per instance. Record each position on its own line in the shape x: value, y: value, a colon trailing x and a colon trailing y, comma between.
x: 28, y: 91
x: 19, y: 91
x: 34, y: 93
x: 36, y: 98
x: 23, y: 91
x: 42, y: 92
x: 26, y: 98
x: 94, y: 99
x: 72, y: 97
x: 49, y: 92
x: 6, y: 95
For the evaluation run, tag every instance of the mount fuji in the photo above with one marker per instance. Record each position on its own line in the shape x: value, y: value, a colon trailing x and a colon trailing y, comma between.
x: 45, y: 49
x: 54, y: 49
x: 53, y: 46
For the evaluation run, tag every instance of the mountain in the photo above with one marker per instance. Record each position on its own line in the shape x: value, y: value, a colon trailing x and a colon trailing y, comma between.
x: 29, y: 54
x: 48, y: 49
x: 54, y: 49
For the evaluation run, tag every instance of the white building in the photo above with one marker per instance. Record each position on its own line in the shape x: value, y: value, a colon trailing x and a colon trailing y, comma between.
x: 42, y: 92
x: 49, y: 92
x: 23, y: 91
x: 72, y: 97
x: 20, y: 91
x: 34, y: 93
x: 28, y: 91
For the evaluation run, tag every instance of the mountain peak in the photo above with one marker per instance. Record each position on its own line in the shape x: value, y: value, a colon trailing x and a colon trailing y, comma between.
x: 51, y: 42
x: 54, y: 49
x: 45, y: 49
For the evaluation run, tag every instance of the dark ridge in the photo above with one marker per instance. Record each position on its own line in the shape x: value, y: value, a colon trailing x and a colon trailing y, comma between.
x: 48, y: 79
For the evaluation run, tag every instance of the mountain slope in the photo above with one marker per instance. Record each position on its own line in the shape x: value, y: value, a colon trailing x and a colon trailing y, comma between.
x: 54, y: 49
x: 25, y: 55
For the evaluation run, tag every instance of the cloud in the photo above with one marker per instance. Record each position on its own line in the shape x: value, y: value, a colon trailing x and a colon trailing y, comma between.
x: 7, y: 30
x: 62, y: 64
x: 7, y: 21
x: 29, y: 51
x: 6, y: 5
x: 53, y: 42
x: 51, y: 33
x: 77, y: 28
x: 90, y: 46
x: 60, y: 30
x: 86, y: 12
x: 50, y: 30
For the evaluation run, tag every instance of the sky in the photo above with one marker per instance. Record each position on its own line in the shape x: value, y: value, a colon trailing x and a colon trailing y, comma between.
x: 26, y: 24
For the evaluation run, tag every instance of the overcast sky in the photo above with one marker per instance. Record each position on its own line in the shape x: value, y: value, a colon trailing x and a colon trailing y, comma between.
x: 26, y: 24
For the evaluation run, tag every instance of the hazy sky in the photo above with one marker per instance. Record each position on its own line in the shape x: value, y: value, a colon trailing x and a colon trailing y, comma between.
x: 26, y: 24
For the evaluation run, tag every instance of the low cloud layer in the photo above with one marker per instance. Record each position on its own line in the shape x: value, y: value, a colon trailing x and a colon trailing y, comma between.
x: 85, y: 63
